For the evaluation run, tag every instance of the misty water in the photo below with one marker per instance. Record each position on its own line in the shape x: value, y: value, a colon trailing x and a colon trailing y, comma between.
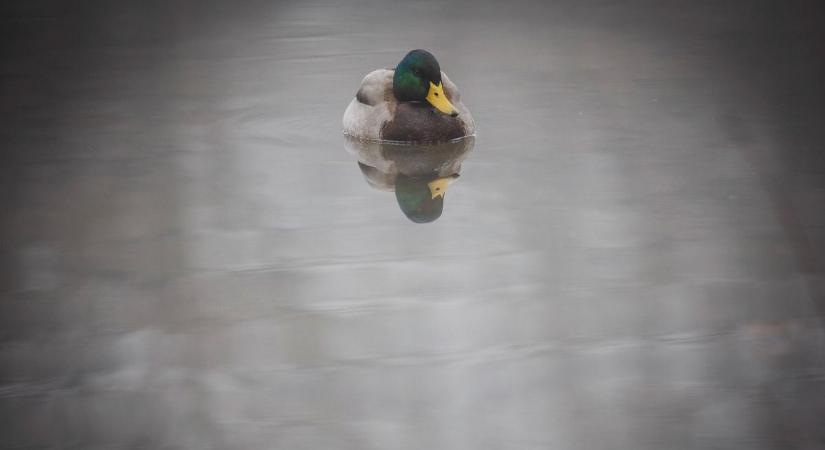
x: 193, y: 256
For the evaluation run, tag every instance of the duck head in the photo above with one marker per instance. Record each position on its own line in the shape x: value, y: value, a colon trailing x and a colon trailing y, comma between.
x: 422, y: 199
x: 417, y: 78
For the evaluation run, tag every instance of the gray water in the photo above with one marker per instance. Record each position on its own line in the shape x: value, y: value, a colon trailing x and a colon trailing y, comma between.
x: 632, y: 257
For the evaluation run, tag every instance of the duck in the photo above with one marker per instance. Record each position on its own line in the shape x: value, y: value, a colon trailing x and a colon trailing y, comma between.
x: 419, y: 175
x: 415, y: 102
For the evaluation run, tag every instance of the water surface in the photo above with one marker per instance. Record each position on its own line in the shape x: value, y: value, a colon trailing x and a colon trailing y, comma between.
x: 632, y: 257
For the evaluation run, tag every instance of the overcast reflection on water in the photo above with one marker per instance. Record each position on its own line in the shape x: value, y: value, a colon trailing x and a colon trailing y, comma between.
x: 631, y: 258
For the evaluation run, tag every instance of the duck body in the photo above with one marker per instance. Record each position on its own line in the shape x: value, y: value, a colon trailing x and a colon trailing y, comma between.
x: 377, y: 114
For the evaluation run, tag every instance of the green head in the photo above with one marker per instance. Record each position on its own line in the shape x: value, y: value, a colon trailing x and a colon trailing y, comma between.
x: 417, y: 78
x: 422, y: 199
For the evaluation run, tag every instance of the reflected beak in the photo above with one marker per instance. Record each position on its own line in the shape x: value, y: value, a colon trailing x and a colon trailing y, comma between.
x: 439, y: 186
x: 437, y: 98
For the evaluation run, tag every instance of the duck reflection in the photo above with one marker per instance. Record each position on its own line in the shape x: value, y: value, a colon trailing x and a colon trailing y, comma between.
x: 418, y: 174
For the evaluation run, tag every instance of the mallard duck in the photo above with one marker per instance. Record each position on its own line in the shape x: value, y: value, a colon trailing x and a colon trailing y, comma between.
x: 415, y: 102
x: 418, y: 174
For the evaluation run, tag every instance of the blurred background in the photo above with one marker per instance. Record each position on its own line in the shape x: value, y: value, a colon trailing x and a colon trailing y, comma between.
x: 633, y: 257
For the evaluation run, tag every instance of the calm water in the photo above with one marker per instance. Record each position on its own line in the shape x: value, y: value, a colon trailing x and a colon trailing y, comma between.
x: 193, y: 256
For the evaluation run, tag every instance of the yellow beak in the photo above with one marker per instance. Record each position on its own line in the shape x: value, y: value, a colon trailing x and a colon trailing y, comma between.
x: 439, y: 186
x: 437, y: 98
